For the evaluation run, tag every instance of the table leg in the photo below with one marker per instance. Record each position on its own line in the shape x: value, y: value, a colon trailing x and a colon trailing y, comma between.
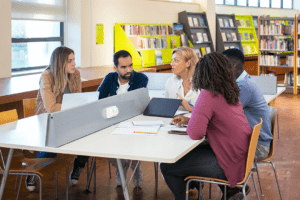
x: 5, y: 173
x: 123, y: 180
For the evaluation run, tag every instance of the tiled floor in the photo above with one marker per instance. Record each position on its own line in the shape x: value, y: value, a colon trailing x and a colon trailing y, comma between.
x: 286, y: 159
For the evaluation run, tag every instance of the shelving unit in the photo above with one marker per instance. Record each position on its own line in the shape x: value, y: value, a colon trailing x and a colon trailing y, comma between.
x: 297, y: 50
x: 141, y: 40
x: 227, y: 30
x: 276, y: 39
x: 247, y: 31
x: 196, y: 27
x: 255, y: 23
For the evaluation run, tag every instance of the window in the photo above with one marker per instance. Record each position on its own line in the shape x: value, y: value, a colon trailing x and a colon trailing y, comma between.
x: 37, y: 28
x: 33, y: 42
x: 286, y: 4
x: 184, y: 1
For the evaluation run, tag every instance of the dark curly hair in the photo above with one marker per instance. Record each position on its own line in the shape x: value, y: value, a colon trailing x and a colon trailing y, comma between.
x: 214, y: 72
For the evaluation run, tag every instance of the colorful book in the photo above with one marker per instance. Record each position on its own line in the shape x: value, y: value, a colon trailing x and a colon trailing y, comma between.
x: 231, y: 23
x: 233, y: 36
x: 249, y: 50
x: 221, y: 22
x: 207, y: 49
x: 255, y: 23
x: 251, y: 36
x: 226, y: 23
x: 195, y: 20
x: 190, y: 19
x: 229, y: 37
x: 244, y: 50
x: 199, y: 37
x: 238, y: 23
x: 246, y: 36
x: 184, y: 40
x: 194, y: 38
x: 202, y: 22
x: 203, y: 51
x: 224, y: 37
x: 174, y: 43
x: 241, y: 36
x: 248, y: 23
x: 242, y: 23
x: 205, y: 38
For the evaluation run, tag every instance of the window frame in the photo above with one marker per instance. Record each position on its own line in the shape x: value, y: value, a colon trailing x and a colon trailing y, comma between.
x: 270, y: 4
x: 42, y: 39
x: 179, y: 1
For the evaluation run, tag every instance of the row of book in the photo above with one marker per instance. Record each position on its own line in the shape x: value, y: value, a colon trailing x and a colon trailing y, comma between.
x: 269, y: 60
x: 298, y: 44
x: 274, y: 43
x: 196, y: 22
x: 231, y: 47
x: 242, y: 23
x: 199, y: 37
x: 225, y: 22
x: 149, y: 43
x: 246, y: 36
x: 290, y: 61
x: 276, y: 29
x: 229, y: 36
x: 202, y: 51
x: 250, y: 49
x: 147, y: 30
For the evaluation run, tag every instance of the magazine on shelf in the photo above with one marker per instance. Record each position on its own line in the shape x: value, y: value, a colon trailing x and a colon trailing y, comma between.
x: 249, y: 50
x: 232, y: 47
x: 242, y: 23
x: 238, y: 23
x: 244, y: 50
x: 241, y: 36
x: 205, y: 38
x: 224, y: 36
x: 199, y: 21
x: 226, y: 23
x: 248, y: 23
x: 194, y: 38
x: 190, y: 19
x: 203, y: 51
x: 233, y: 36
x: 255, y: 23
x: 246, y: 36
x: 226, y: 47
x: 231, y: 23
x: 229, y: 37
x: 202, y: 22
x: 173, y: 41
x: 158, y: 57
x: 207, y: 49
x: 251, y: 36
x: 197, y: 52
x: 199, y: 37
x: 195, y: 20
x: 178, y: 29
x: 184, y: 40
x: 221, y: 22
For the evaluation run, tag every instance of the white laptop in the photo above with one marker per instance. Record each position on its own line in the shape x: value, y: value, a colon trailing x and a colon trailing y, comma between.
x: 71, y: 100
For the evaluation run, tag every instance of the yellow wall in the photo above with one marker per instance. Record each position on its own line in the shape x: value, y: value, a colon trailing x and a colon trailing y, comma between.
x: 5, y: 39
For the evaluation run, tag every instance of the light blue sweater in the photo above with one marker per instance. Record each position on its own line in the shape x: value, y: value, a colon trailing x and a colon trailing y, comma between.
x: 255, y: 107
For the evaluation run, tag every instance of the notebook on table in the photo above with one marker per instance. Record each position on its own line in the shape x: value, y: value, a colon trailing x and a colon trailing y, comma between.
x: 162, y: 107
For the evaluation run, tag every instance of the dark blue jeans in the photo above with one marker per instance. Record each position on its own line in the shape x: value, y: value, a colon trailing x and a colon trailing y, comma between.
x: 42, y: 154
x: 201, y: 161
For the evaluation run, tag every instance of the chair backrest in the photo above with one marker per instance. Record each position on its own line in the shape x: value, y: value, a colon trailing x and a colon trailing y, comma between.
x: 273, y: 116
x: 252, y: 148
x: 29, y: 107
x: 8, y: 116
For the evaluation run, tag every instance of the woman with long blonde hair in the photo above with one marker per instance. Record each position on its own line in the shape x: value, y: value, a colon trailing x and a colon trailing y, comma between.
x: 184, y: 61
x: 59, y: 78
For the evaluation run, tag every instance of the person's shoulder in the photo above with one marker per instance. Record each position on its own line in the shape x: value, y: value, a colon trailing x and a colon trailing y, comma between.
x: 46, y: 74
x: 111, y: 75
x: 173, y: 79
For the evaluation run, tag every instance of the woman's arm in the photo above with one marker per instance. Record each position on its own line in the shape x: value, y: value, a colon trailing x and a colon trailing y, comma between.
x: 48, y: 96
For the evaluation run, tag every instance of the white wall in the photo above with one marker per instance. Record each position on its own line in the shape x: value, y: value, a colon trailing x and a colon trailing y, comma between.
x: 117, y: 11
x: 5, y: 39
x: 221, y: 9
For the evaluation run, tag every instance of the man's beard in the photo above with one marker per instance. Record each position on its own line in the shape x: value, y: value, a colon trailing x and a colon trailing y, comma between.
x: 126, y: 77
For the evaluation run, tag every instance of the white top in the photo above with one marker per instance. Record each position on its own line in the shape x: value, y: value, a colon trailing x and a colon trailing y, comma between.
x: 122, y: 88
x: 174, y: 85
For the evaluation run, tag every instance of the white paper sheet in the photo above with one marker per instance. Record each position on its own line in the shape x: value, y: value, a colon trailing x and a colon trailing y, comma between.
x: 137, y: 130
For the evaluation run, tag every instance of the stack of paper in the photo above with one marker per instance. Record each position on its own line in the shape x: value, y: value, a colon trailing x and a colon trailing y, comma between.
x: 138, y: 128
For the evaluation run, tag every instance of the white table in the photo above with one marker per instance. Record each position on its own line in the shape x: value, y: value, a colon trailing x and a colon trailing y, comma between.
x: 30, y: 134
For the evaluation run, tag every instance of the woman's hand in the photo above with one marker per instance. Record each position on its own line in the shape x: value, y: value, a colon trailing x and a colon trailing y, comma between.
x: 180, y: 120
x: 184, y: 103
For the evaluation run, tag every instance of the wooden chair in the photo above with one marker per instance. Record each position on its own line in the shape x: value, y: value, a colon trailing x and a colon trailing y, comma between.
x: 10, y: 116
x: 28, y: 107
x: 248, y: 173
x: 273, y: 116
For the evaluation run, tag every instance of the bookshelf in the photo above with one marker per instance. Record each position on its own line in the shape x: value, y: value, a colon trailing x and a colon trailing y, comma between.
x: 227, y: 33
x: 247, y: 32
x: 143, y: 40
x: 297, y: 50
x: 277, y: 49
x: 196, y: 27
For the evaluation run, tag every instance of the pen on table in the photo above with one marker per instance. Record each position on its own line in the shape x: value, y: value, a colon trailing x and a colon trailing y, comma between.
x: 144, y: 132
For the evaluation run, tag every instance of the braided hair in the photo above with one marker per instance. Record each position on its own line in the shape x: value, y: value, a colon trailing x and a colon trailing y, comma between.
x: 214, y: 72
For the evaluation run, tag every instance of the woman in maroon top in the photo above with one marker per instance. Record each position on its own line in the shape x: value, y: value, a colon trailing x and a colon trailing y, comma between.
x: 218, y: 115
